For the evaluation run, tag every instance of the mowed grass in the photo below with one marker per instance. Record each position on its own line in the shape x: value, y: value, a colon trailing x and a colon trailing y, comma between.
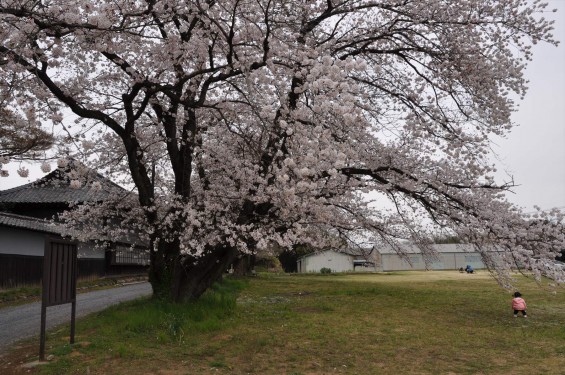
x: 401, y: 323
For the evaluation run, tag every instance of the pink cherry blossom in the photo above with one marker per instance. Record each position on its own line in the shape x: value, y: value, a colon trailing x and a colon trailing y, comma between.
x: 240, y: 125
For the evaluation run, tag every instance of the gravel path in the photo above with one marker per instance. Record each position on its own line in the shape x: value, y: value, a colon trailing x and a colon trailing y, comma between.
x: 23, y: 321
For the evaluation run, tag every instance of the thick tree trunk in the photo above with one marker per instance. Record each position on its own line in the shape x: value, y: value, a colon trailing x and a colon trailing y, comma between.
x: 181, y: 278
x: 192, y: 276
x: 244, y: 265
x: 161, y: 268
x: 177, y: 277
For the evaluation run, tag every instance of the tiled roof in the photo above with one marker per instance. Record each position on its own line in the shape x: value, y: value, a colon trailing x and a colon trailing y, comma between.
x: 30, y: 223
x: 55, y: 188
x: 46, y: 226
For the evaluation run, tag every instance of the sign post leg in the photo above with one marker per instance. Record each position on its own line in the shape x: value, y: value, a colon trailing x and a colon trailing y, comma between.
x: 73, y: 314
x: 42, y: 333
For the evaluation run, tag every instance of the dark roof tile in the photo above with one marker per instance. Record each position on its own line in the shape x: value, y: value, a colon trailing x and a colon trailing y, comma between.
x: 55, y: 188
x: 30, y: 223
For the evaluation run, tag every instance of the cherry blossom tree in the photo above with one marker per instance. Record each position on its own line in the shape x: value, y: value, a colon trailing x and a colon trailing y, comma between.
x: 243, y: 123
x: 21, y: 139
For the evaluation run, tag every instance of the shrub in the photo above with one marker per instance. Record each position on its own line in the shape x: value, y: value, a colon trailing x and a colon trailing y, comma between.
x: 325, y: 270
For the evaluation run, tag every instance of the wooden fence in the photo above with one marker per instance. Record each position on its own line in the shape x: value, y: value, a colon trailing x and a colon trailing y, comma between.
x: 23, y: 270
x: 20, y: 270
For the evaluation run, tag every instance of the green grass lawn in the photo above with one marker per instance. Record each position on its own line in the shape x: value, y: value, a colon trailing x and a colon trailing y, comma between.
x: 401, y: 323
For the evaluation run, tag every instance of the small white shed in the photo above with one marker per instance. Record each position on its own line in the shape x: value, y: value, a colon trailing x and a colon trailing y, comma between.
x: 348, y: 260
x: 334, y: 260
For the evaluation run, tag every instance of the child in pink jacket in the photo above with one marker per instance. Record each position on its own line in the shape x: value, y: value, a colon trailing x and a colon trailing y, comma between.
x: 518, y: 304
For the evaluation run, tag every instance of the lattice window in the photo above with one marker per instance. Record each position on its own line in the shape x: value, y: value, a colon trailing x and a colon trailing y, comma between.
x: 127, y: 255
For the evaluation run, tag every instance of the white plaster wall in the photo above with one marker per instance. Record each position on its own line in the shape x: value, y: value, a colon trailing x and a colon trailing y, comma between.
x: 22, y: 242
x: 26, y: 242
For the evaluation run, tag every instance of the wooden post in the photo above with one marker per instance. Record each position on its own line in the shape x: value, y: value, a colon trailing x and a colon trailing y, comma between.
x: 73, y: 314
x: 42, y: 334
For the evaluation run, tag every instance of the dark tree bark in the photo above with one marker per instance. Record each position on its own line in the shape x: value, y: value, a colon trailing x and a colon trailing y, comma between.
x: 180, y: 278
x: 193, y: 276
x: 244, y: 265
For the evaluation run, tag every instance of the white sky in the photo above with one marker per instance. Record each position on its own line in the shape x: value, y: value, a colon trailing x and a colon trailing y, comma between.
x: 534, y: 153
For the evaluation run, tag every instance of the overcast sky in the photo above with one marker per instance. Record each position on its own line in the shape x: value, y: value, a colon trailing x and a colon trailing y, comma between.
x: 534, y: 153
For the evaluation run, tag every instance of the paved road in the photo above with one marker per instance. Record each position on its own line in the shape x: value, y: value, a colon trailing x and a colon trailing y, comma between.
x: 23, y: 321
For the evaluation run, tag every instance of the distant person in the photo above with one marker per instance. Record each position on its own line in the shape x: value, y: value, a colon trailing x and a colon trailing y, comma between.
x: 469, y: 269
x: 519, y: 304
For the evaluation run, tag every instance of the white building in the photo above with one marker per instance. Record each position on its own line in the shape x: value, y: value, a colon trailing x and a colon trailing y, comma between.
x: 448, y: 257
x: 337, y: 261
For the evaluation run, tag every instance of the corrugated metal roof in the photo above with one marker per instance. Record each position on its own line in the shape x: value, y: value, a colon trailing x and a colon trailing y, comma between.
x: 440, y: 248
x: 356, y: 253
x: 406, y: 248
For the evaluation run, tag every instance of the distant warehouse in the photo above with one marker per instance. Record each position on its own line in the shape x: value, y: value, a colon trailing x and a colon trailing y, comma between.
x: 448, y: 257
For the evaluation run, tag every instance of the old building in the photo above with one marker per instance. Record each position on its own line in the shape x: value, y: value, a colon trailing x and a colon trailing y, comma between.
x: 28, y: 217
